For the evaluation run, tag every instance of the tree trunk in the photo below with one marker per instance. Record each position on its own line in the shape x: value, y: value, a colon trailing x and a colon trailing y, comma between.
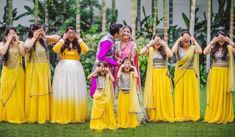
x: 231, y: 19
x: 208, y: 34
x: 171, y: 20
x: 114, y: 11
x: 64, y: 10
x: 192, y: 17
x: 36, y: 2
x: 9, y: 10
x: 138, y: 15
x: 133, y: 16
x: 103, y: 12
x: 165, y: 20
x: 46, y: 16
x: 170, y: 12
x: 78, y: 17
x: 154, y: 15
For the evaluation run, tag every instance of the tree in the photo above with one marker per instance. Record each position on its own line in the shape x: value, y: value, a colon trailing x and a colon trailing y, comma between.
x: 165, y: 20
x: 154, y: 15
x: 171, y: 20
x: 103, y: 14
x: 78, y: 16
x: 46, y: 16
x: 133, y: 16
x: 208, y: 33
x: 192, y: 17
x: 36, y: 4
x: 231, y: 19
x: 114, y: 11
x: 138, y: 20
x: 9, y: 10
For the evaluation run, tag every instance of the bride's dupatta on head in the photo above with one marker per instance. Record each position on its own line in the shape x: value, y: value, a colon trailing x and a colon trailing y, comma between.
x: 185, y: 62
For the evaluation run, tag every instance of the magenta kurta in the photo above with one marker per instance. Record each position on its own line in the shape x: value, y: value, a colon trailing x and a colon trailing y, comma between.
x: 105, y: 52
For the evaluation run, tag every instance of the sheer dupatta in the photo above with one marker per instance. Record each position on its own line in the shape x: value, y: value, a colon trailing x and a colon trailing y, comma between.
x: 231, y: 75
x: 231, y: 71
x: 185, y: 62
x: 148, y: 97
x: 135, y: 106
x: 102, y: 98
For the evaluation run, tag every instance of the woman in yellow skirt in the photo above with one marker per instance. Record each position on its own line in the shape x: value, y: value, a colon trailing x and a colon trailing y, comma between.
x: 12, y: 78
x: 128, y: 111
x: 69, y: 99
x: 220, y: 82
x: 102, y: 113
x: 158, y: 88
x: 186, y: 80
x: 38, y: 76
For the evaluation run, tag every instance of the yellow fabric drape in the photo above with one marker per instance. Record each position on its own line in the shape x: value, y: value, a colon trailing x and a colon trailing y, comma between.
x: 129, y: 115
x: 135, y: 104
x: 231, y: 71
x: 231, y: 75
x: 100, y: 102
x: 148, y: 100
x: 185, y: 62
x: 12, y: 90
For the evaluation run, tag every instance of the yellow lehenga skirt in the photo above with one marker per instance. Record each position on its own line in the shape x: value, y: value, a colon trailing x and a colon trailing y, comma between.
x: 38, y: 89
x: 162, y: 97
x: 102, y: 114
x: 186, y: 95
x: 12, y: 95
x: 125, y: 118
x: 219, y: 107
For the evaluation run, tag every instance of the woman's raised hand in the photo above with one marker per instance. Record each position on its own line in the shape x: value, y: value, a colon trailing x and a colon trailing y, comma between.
x: 37, y: 33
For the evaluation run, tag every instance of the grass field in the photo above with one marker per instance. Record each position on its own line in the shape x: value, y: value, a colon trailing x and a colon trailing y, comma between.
x: 159, y: 129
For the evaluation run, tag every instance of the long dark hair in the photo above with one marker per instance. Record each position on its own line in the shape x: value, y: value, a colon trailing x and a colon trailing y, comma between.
x: 161, y: 48
x: 75, y: 44
x: 33, y: 28
x: 216, y: 47
x: 5, y: 57
x: 105, y: 64
x: 123, y: 61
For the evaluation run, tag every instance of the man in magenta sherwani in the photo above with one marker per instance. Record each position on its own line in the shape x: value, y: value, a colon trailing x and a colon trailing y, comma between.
x: 106, y: 50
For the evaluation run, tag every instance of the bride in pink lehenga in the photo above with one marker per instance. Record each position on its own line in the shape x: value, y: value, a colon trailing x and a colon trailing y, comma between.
x: 127, y: 48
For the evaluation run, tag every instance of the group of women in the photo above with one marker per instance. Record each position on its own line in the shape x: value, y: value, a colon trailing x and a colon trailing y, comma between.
x: 30, y: 96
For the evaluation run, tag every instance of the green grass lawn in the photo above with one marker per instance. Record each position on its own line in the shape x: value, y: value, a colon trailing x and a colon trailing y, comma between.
x: 161, y: 129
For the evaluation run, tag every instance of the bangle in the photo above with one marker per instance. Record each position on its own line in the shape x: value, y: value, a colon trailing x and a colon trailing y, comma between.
x: 62, y: 40
x: 80, y: 40
x: 232, y: 43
